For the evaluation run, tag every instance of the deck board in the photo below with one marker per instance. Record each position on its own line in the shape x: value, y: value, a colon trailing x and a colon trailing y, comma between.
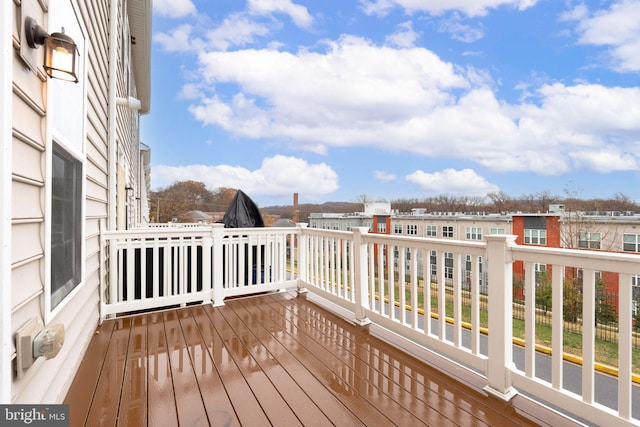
x: 217, y: 403
x: 302, y: 406
x: 159, y: 380
x: 133, y: 404
x: 188, y: 398
x: 275, y: 359
x: 104, y: 407
x: 83, y: 391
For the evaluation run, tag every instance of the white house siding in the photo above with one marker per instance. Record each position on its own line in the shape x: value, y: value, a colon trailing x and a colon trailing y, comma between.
x: 48, y: 380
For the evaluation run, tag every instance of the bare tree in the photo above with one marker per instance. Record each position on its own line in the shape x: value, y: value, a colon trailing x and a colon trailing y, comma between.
x: 502, y: 202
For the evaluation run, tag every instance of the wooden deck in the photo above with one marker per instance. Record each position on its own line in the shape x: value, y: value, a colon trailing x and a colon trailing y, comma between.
x: 276, y: 359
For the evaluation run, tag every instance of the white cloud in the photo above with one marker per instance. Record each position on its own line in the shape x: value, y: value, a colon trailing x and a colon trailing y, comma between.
x: 410, y: 100
x: 404, y: 36
x: 179, y: 40
x: 437, y: 7
x: 190, y: 91
x: 174, y: 8
x: 618, y: 28
x: 465, y: 182
x: 278, y: 176
x: 299, y: 14
x: 606, y: 160
x: 459, y: 31
x: 355, y: 85
x: 236, y: 30
x: 384, y: 176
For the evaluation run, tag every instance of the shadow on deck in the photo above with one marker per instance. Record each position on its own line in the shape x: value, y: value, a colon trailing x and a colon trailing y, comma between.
x: 275, y: 359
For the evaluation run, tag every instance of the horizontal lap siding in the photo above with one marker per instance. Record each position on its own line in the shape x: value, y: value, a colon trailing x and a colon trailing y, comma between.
x: 48, y: 381
x: 27, y: 210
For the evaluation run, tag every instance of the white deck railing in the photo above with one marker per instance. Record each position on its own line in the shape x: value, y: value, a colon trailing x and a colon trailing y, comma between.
x: 379, y: 279
x: 166, y: 266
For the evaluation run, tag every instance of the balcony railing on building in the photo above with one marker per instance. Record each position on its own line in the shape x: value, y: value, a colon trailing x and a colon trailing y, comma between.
x: 380, y: 280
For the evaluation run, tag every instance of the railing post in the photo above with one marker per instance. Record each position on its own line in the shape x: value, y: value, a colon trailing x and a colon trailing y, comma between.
x: 360, y: 276
x: 303, y: 249
x: 218, y: 261
x: 207, y: 261
x: 500, y: 281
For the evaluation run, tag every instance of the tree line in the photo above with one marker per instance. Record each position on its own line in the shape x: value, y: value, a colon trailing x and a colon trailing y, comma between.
x: 175, y: 201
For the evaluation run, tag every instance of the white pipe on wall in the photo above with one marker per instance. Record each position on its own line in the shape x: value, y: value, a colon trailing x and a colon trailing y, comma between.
x: 130, y: 102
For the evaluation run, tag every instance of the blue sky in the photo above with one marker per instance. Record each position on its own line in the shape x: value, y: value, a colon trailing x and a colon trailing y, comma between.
x: 334, y: 99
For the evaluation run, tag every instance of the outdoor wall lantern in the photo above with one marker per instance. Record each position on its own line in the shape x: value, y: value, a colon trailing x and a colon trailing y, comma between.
x: 60, y: 50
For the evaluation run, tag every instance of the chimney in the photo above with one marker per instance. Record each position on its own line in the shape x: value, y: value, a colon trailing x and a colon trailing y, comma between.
x: 296, y: 212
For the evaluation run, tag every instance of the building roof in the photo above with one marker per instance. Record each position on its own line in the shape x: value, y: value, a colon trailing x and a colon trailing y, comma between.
x: 283, y: 222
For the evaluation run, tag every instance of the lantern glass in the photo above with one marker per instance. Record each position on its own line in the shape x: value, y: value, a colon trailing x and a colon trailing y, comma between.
x: 60, y: 57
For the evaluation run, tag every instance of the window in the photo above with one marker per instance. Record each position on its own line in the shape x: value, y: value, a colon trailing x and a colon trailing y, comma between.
x: 631, y: 243
x: 447, y: 231
x: 448, y: 265
x: 397, y: 228
x: 497, y: 231
x: 535, y: 237
x: 432, y: 230
x: 589, y: 240
x: 66, y: 224
x: 474, y: 233
x: 412, y: 230
x: 382, y: 227
x: 433, y: 263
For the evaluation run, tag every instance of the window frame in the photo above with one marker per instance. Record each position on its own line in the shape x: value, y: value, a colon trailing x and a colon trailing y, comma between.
x: 635, y: 243
x: 589, y: 240
x: 535, y: 236
x: 474, y: 233
x: 53, y: 308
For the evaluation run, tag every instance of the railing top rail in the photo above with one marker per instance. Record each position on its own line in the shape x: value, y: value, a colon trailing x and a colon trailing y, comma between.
x: 580, y: 258
x: 322, y: 231
x: 259, y: 231
x: 432, y: 243
x: 155, y: 232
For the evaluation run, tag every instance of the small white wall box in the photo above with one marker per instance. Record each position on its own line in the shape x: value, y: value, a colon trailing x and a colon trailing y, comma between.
x: 24, y: 345
x: 49, y: 341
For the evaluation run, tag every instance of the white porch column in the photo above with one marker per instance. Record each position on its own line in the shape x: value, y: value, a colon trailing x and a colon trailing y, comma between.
x: 6, y: 131
x: 303, y: 249
x: 500, y: 281
x: 360, y: 275
x: 218, y: 261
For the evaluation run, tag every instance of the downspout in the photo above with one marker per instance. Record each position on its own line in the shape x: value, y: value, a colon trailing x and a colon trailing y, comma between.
x: 113, y: 149
x: 6, y: 134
